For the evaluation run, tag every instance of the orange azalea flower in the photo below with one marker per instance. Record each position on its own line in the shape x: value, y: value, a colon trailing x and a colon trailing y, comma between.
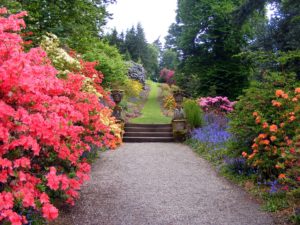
x: 282, y: 125
x: 251, y: 156
x: 292, y: 118
x: 262, y: 136
x: 285, y: 96
x: 273, y: 138
x: 255, y: 114
x: 264, y: 142
x: 281, y: 176
x: 273, y: 128
x: 289, y: 142
x: 276, y: 103
x: 265, y: 125
x: 295, y: 99
x: 257, y: 120
x: 244, y: 154
x: 297, y: 90
x: 279, y: 93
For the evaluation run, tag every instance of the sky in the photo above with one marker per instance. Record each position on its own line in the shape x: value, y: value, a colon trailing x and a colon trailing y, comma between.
x: 155, y: 16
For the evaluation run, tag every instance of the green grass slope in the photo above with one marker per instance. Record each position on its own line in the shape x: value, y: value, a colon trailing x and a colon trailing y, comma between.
x: 151, y: 113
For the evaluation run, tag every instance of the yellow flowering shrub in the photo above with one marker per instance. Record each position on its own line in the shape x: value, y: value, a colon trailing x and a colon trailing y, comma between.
x: 133, y: 88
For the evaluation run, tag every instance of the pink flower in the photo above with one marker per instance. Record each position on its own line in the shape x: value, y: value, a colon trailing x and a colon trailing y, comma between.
x: 53, y: 180
x: 49, y: 211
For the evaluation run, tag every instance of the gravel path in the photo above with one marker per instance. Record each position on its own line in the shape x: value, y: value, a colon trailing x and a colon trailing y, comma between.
x: 160, y: 184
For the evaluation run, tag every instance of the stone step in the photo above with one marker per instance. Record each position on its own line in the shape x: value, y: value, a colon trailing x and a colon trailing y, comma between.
x: 137, y: 125
x: 148, y: 129
x: 148, y: 134
x: 148, y: 139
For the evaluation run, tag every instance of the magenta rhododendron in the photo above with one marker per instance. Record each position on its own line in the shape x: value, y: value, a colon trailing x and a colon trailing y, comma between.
x: 46, y: 124
x: 218, y: 104
x: 167, y: 76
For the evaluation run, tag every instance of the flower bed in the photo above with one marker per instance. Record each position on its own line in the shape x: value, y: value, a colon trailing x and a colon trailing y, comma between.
x: 46, y: 125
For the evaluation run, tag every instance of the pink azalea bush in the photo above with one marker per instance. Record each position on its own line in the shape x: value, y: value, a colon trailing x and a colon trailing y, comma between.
x: 167, y: 76
x: 218, y: 104
x: 46, y: 124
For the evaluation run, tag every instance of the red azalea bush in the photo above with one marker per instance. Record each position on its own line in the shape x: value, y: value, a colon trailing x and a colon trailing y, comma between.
x: 167, y: 76
x: 276, y: 150
x: 46, y: 124
x: 218, y: 104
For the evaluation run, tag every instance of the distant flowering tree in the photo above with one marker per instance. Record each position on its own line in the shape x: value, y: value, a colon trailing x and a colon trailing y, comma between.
x: 46, y: 125
x: 218, y: 104
x: 167, y: 76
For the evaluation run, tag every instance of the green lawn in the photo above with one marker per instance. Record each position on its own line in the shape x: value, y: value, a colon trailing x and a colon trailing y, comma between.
x: 151, y: 113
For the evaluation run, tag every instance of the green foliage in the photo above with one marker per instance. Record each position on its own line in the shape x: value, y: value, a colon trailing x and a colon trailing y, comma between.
x: 207, y: 42
x: 274, y: 202
x: 111, y: 63
x: 169, y: 59
x: 193, y: 113
x: 257, y: 98
x: 74, y: 22
x: 151, y: 61
x: 207, y: 152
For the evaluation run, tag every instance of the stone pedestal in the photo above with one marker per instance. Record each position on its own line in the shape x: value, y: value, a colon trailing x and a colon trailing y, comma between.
x: 179, y: 121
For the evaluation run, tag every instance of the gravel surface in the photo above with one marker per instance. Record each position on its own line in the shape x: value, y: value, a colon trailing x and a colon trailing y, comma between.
x: 160, y: 184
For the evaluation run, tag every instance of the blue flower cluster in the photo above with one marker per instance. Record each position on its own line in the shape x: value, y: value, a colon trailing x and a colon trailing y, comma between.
x: 214, y: 131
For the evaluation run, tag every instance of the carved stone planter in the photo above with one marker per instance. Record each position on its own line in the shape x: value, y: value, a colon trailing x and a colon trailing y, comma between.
x: 178, y: 96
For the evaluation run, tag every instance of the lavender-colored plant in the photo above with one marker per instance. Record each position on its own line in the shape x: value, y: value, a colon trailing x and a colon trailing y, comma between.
x: 214, y: 132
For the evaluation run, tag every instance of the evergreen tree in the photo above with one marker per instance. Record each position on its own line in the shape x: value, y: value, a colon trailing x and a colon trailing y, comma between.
x: 207, y: 42
x: 169, y: 59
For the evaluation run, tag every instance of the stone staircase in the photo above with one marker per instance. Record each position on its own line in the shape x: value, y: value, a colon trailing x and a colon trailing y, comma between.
x: 148, y: 133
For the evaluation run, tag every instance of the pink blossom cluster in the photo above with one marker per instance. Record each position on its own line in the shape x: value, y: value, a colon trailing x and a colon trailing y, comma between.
x: 218, y: 104
x: 167, y: 76
x: 46, y: 124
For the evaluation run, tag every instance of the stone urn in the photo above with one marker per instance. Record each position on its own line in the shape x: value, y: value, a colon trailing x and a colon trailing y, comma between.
x: 178, y: 111
x: 178, y: 96
x: 117, y: 96
x: 179, y: 124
